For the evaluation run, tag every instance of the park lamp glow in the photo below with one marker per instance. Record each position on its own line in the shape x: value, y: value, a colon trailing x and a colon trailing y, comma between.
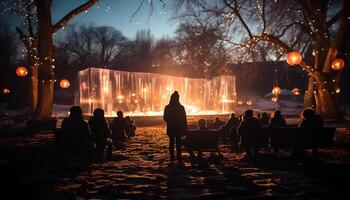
x: 5, y: 91
x: 274, y: 99
x: 276, y: 91
x: 249, y: 103
x: 296, y: 91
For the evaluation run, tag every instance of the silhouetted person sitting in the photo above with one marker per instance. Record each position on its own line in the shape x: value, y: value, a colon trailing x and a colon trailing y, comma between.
x: 217, y: 123
x: 75, y: 124
x: 311, y: 122
x: 202, y: 126
x: 118, y: 127
x: 100, y: 132
x: 277, y: 120
x: 264, y: 119
x: 247, y: 129
x: 131, y: 127
x: 175, y: 117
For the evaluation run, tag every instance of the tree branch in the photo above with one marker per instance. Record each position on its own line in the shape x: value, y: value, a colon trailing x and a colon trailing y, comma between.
x: 236, y: 12
x: 72, y: 14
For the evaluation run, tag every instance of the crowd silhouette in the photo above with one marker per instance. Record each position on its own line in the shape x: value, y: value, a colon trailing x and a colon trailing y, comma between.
x: 99, y: 138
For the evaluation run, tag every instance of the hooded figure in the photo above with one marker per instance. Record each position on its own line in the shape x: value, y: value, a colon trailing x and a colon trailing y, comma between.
x: 100, y: 132
x: 175, y: 117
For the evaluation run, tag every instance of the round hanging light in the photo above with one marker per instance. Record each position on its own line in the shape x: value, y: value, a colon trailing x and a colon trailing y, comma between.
x: 276, y: 91
x: 21, y: 71
x: 294, y: 58
x: 274, y: 99
x: 296, y: 91
x: 338, y: 64
x: 239, y: 102
x: 64, y: 83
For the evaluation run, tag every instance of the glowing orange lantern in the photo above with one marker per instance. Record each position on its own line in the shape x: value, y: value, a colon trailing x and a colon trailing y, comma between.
x: 249, y: 103
x: 5, y: 91
x: 338, y: 64
x: 239, y: 102
x: 276, y: 91
x: 21, y: 71
x: 296, y: 91
x: 64, y: 83
x: 274, y: 99
x: 294, y: 58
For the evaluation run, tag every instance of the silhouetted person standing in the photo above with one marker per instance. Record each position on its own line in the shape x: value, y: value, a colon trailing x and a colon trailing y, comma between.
x: 75, y: 124
x: 277, y: 120
x: 100, y: 132
x: 247, y: 129
x: 175, y: 117
x: 119, y: 127
x: 217, y: 123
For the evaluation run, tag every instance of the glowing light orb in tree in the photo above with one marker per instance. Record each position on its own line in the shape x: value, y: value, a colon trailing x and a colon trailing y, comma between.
x: 338, y: 90
x: 64, y: 83
x: 21, y: 71
x: 274, y: 99
x: 338, y: 64
x: 276, y: 91
x: 249, y: 103
x: 296, y: 91
x: 294, y: 58
x: 5, y: 91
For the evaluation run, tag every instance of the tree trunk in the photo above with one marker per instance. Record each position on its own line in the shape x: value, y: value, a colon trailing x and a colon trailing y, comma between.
x: 45, y: 46
x: 309, y: 98
x: 33, y: 82
x: 326, y: 102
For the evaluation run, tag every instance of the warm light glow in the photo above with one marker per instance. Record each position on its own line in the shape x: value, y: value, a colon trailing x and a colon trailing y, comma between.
x: 338, y: 64
x: 249, y: 102
x: 240, y: 102
x: 64, y: 83
x: 5, y: 91
x: 337, y: 90
x: 296, y: 91
x: 294, y: 58
x: 274, y: 99
x: 21, y: 71
x: 120, y: 97
x: 139, y: 93
x: 276, y: 91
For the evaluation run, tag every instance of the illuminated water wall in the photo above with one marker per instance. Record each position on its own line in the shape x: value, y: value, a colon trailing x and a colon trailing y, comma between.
x: 138, y: 93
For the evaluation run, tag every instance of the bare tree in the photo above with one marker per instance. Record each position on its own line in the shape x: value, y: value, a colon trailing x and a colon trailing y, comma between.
x: 288, y: 26
x: 39, y: 44
x: 202, y: 48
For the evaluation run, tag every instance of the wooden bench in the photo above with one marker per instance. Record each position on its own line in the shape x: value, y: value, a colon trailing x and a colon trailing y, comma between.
x: 292, y: 137
x: 205, y: 141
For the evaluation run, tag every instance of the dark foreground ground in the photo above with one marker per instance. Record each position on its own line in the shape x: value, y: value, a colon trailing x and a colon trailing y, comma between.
x: 29, y: 170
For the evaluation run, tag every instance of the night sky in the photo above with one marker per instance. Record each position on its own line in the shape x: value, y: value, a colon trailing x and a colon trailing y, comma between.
x: 119, y: 15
